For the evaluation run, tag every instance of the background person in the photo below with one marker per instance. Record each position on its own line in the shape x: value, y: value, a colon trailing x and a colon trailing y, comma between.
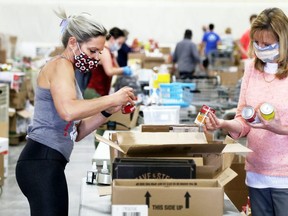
x: 186, y: 56
x: 265, y: 80
x: 61, y: 116
x: 122, y: 57
x: 244, y: 41
x: 101, y: 77
x: 208, y: 46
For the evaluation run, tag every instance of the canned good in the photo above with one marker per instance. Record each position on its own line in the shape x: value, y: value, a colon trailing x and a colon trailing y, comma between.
x: 128, y: 108
x: 200, y: 119
x: 249, y: 114
x: 267, y: 111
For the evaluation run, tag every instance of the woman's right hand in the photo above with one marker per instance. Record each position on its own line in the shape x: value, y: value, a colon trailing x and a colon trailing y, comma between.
x: 125, y: 95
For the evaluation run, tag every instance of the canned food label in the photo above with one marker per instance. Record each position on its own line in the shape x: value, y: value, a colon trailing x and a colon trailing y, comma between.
x: 249, y: 114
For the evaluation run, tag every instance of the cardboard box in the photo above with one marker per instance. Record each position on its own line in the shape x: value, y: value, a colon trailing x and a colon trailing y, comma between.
x: 3, y: 56
x: 150, y: 62
x: 4, y: 150
x: 120, y: 121
x: 198, y: 197
x: 155, y: 168
x: 211, y: 175
x: 170, y: 128
x: 1, y: 170
x: 216, y: 156
x: 237, y: 190
x: 18, y: 99
x: 18, y: 121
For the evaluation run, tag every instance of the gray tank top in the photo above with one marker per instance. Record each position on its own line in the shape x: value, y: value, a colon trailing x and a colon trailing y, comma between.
x: 48, y: 128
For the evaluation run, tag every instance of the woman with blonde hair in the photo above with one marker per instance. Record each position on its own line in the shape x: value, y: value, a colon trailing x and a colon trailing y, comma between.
x: 264, y: 81
x: 61, y: 116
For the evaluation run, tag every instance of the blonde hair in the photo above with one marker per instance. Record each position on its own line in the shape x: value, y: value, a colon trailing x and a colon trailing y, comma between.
x: 83, y: 27
x: 275, y: 21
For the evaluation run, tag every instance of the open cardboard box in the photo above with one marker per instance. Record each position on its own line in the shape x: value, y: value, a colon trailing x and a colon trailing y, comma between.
x: 212, y: 159
x: 171, y: 197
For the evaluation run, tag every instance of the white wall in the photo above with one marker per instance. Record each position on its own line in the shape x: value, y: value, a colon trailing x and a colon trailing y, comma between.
x: 164, y: 20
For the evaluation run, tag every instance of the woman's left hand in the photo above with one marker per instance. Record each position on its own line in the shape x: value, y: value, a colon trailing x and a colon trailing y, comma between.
x: 274, y: 125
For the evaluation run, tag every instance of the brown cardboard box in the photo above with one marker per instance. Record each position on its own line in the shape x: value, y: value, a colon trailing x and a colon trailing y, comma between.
x: 3, y: 56
x: 18, y: 121
x: 237, y: 190
x: 4, y: 150
x: 4, y: 129
x: 120, y: 121
x: 216, y: 156
x: 1, y: 169
x: 197, y: 197
x: 215, y: 172
x: 18, y: 99
x: 151, y: 62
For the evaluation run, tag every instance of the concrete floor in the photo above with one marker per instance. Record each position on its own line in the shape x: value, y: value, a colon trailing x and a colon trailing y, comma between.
x: 14, y: 203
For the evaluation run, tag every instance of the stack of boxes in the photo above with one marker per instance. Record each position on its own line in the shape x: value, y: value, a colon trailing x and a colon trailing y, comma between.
x: 4, y: 123
x: 200, y: 196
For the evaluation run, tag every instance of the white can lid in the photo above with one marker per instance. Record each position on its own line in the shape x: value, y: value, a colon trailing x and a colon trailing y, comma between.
x: 266, y: 108
x: 247, y: 112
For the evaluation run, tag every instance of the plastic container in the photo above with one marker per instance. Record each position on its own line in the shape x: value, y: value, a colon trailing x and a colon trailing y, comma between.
x: 179, y: 94
x: 161, y: 115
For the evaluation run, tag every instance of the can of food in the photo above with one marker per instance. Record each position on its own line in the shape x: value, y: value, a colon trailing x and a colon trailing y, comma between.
x: 249, y: 114
x: 200, y: 119
x: 267, y: 111
x: 128, y: 108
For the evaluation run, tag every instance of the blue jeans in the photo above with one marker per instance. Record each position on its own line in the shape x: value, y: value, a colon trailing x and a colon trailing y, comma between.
x: 269, y: 201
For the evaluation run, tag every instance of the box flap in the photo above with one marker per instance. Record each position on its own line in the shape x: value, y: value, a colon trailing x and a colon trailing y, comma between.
x: 160, y: 138
x: 108, y: 142
x: 226, y: 176
x: 236, y: 148
x: 168, y: 144
x: 171, y: 150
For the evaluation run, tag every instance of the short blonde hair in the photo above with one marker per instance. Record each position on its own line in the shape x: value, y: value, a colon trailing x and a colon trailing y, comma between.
x: 83, y: 27
x: 275, y: 21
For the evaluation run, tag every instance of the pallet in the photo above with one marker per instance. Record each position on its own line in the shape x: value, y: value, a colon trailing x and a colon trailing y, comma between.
x: 16, y: 139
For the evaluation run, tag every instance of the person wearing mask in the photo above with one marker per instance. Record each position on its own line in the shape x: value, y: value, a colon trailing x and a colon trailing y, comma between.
x: 264, y: 81
x: 101, y: 77
x: 244, y: 41
x: 186, y: 56
x: 122, y: 57
x: 208, y: 46
x: 62, y: 117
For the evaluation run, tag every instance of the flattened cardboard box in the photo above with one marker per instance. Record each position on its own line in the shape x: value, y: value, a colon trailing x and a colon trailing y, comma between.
x: 197, y: 197
x: 216, y: 156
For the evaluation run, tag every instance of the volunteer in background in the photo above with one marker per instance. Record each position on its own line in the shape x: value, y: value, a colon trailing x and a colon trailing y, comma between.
x: 101, y: 77
x: 61, y: 116
x: 122, y: 57
x: 265, y: 80
x: 208, y: 46
x: 186, y: 56
x: 244, y: 41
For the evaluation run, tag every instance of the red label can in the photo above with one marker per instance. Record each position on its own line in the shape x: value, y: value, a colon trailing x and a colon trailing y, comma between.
x: 200, y: 119
x: 128, y: 108
x: 205, y: 109
x: 249, y: 114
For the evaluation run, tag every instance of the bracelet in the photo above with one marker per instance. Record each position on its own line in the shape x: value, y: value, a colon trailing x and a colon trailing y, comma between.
x: 106, y: 114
